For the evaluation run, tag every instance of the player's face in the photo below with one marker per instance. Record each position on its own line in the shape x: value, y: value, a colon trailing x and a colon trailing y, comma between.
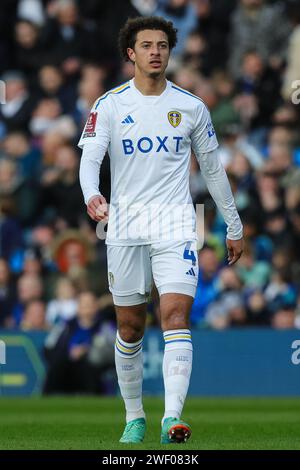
x: 151, y: 52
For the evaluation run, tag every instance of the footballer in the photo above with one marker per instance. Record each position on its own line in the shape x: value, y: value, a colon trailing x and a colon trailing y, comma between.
x: 149, y: 126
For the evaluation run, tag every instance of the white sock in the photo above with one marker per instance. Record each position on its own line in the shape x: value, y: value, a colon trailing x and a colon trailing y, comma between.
x: 129, y: 367
x: 177, y: 367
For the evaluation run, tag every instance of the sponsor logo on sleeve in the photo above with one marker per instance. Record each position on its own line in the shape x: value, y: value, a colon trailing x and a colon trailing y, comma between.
x: 210, y: 129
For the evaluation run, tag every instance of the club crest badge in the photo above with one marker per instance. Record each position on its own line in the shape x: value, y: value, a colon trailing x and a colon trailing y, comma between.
x: 174, y: 118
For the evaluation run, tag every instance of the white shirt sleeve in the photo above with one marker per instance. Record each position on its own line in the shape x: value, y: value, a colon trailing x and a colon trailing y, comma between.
x: 89, y: 171
x: 94, y: 141
x: 97, y: 127
x: 220, y: 190
x: 203, y: 137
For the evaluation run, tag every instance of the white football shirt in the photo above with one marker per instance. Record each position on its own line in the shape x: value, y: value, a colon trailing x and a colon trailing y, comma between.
x: 149, y: 140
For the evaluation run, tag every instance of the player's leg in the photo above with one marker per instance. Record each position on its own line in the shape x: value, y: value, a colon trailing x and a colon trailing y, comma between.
x: 175, y: 271
x: 129, y: 357
x: 130, y: 282
x: 177, y: 362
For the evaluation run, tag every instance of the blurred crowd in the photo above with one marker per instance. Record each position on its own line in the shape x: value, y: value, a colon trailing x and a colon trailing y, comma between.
x: 242, y: 57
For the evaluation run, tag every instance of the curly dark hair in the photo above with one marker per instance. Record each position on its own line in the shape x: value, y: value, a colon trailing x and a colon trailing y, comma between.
x: 127, y: 35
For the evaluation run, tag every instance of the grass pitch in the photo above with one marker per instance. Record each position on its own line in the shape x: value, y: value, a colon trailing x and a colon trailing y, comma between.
x: 97, y: 423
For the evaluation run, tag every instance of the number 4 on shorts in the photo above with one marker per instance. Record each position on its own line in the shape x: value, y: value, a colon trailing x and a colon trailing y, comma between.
x: 189, y: 254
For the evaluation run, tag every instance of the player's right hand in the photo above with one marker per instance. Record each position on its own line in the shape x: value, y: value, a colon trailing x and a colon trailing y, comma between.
x: 235, y: 250
x: 97, y: 208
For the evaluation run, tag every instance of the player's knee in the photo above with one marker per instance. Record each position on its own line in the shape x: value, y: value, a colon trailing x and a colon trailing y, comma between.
x: 130, y: 333
x: 174, y: 318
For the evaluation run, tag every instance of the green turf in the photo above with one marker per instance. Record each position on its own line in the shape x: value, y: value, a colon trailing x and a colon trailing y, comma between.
x: 97, y: 423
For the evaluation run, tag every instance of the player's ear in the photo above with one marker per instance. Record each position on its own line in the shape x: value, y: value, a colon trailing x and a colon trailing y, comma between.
x: 131, y: 54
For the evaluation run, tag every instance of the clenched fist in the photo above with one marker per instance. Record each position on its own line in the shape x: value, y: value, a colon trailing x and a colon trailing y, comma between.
x: 97, y: 208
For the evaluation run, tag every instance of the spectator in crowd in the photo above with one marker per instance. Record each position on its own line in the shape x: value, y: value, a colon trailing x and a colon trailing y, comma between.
x: 213, y: 23
x: 281, y: 135
x: 90, y: 87
x: 280, y: 292
x: 207, y: 289
x: 145, y: 7
x: 61, y: 188
x: 227, y: 313
x: 284, y: 318
x: 66, y: 38
x: 29, y: 288
x: 253, y: 273
x: 258, y: 312
x: 32, y: 263
x: 28, y: 49
x: 8, y: 15
x: 261, y: 243
x: 257, y: 25
x: 65, y: 304
x: 52, y: 85
x: 286, y: 115
x: 183, y: 15
x: 241, y: 168
x: 108, y: 26
x: 234, y: 140
x: 74, y: 256
x: 31, y: 10
x: 196, y: 55
x: 10, y: 229
x: 80, y: 352
x: 282, y: 261
x: 16, y: 111
x: 41, y: 238
x: 280, y: 160
x: 21, y: 192
x: 224, y: 113
x: 291, y: 184
x: 17, y: 146
x: 7, y: 293
x: 187, y: 78
x: 257, y: 87
x: 34, y: 317
x: 49, y: 144
x: 47, y: 116
x: 228, y: 309
x: 277, y: 228
x: 269, y: 191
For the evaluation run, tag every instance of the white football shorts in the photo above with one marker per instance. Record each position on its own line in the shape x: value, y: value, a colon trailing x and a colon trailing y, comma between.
x: 172, y: 265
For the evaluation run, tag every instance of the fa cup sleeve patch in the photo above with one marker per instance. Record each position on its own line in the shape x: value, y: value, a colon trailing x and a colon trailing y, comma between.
x: 90, y: 126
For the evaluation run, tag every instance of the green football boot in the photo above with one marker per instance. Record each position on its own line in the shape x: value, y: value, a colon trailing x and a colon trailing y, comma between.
x: 134, y: 431
x: 174, y: 431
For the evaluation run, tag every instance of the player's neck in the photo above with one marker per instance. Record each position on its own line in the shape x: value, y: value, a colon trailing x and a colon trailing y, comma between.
x: 150, y: 86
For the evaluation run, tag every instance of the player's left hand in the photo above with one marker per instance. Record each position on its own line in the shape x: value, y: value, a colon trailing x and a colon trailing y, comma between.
x: 235, y: 250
